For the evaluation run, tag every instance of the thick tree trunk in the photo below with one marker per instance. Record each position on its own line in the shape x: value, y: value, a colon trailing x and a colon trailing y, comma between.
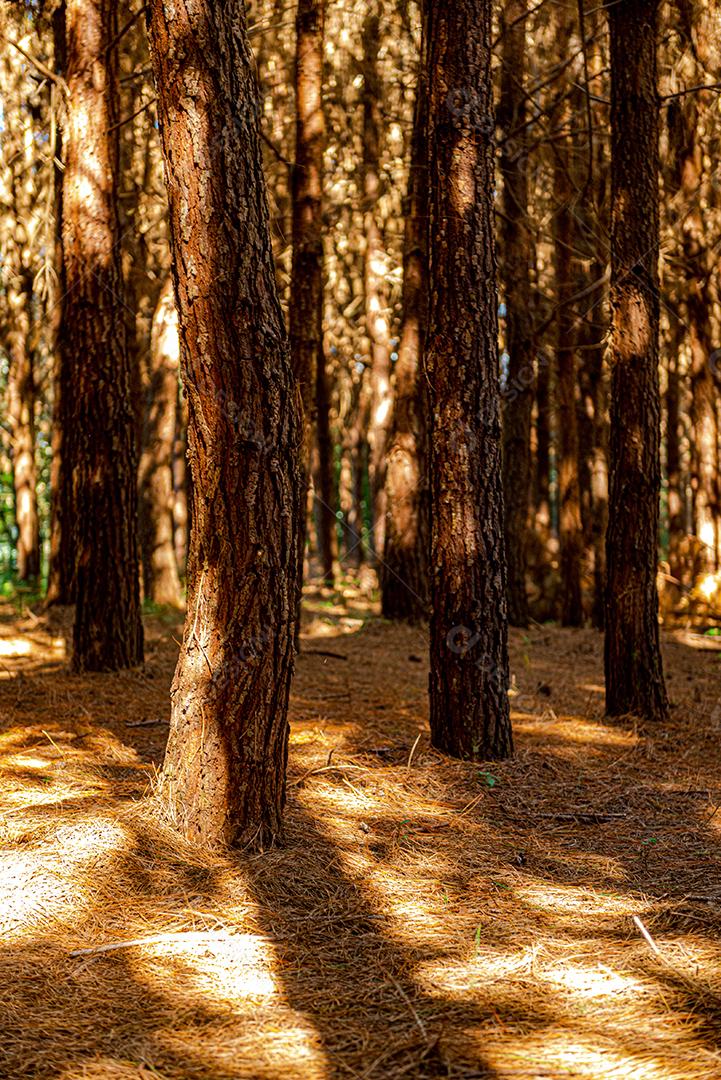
x: 404, y: 570
x: 469, y: 711
x: 100, y: 444
x: 376, y: 293
x: 155, y: 475
x: 306, y: 286
x: 223, y: 779
x: 634, y: 672
x: 517, y: 251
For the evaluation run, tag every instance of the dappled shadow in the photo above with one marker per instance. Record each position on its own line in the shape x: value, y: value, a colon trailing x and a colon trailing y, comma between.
x: 426, y: 918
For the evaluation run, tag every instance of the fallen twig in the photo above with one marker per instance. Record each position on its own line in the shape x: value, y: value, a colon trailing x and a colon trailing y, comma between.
x: 193, y: 937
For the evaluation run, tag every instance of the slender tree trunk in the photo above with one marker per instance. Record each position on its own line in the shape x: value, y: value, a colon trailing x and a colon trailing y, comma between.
x: 676, y: 488
x: 469, y: 711
x: 21, y: 409
x: 223, y: 779
x: 542, y: 465
x: 155, y: 475
x: 324, y: 479
x: 634, y: 671
x: 101, y: 451
x: 376, y: 293
x: 61, y: 568
x: 570, y: 532
x: 306, y: 288
x: 404, y: 571
x: 517, y: 249
x: 181, y: 483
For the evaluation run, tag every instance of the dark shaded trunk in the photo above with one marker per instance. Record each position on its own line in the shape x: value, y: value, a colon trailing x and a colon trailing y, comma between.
x: 570, y: 533
x: 100, y: 437
x: 634, y: 672
x: 469, y: 711
x: 376, y: 293
x: 404, y: 571
x: 517, y: 252
x: 306, y: 286
x: 325, y: 492
x: 155, y: 475
x: 223, y: 779
x: 21, y: 416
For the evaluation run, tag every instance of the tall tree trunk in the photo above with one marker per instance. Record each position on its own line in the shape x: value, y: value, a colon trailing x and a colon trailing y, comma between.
x: 376, y: 293
x: 223, y: 778
x: 570, y: 533
x: 324, y: 478
x: 404, y: 571
x: 21, y: 409
x: 181, y: 482
x: 61, y: 568
x: 517, y: 250
x: 155, y: 475
x: 469, y: 711
x: 101, y: 450
x: 634, y: 671
x: 306, y: 286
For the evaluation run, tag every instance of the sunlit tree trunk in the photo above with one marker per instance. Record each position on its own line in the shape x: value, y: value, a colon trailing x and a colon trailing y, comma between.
x: 404, y: 571
x: 469, y: 712
x: 516, y: 249
x: 376, y: 293
x: 155, y: 474
x: 21, y: 410
x: 61, y: 568
x: 223, y: 779
x: 99, y: 432
x: 634, y: 672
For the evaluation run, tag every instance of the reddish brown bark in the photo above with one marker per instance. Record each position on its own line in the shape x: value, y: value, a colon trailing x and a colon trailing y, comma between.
x: 306, y: 288
x: 376, y: 293
x: 634, y: 672
x: 516, y: 249
x: 223, y: 778
x: 99, y: 431
x: 404, y: 570
x: 469, y: 710
x: 155, y: 474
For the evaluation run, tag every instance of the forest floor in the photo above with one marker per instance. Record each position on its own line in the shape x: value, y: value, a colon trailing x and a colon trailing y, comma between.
x: 556, y: 915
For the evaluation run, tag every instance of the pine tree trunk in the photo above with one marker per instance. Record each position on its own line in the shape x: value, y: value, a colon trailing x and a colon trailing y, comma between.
x: 570, y: 534
x: 223, y: 779
x: 376, y: 293
x: 21, y: 410
x: 155, y: 475
x: 324, y: 478
x: 469, y: 711
x: 181, y: 483
x: 306, y: 287
x: 516, y: 249
x: 61, y: 567
x: 404, y: 571
x: 100, y: 443
x: 634, y: 672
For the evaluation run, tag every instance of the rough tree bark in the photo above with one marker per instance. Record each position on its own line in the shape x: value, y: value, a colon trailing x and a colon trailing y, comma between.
x: 21, y: 414
x: 634, y: 672
x: 469, y: 710
x: 306, y: 284
x: 376, y: 293
x: 404, y: 570
x: 100, y: 448
x: 223, y: 779
x: 155, y: 474
x: 517, y: 248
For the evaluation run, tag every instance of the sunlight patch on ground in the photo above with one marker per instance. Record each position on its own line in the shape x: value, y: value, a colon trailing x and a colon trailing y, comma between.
x: 11, y: 647
x: 567, y: 899
x: 39, y: 887
x: 560, y: 1053
x: 575, y: 730
x: 227, y: 968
